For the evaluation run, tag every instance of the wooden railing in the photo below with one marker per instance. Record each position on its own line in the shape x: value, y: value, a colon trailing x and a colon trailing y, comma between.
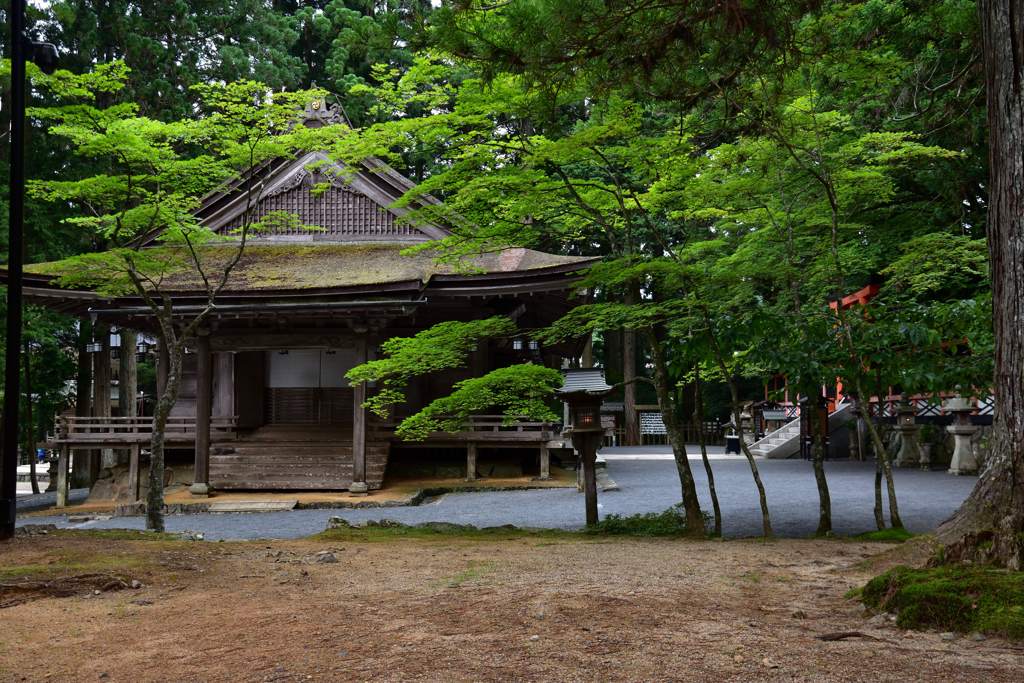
x: 478, y: 428
x: 69, y: 429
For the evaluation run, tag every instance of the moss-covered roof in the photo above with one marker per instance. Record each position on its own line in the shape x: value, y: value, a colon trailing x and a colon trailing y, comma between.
x: 318, y: 265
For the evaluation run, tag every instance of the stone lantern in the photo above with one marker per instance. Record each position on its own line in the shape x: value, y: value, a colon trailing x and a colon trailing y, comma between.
x: 906, y: 425
x: 584, y: 391
x: 963, y: 461
x: 747, y: 420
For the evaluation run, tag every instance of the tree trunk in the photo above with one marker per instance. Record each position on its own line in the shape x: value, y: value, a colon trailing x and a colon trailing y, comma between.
x: 1000, y: 490
x: 30, y: 446
x: 734, y: 392
x: 83, y: 406
x: 691, y: 504
x: 879, y: 515
x: 162, y: 410
x: 880, y: 454
x: 824, y: 499
x: 698, y: 418
x: 629, y: 375
x: 766, y: 520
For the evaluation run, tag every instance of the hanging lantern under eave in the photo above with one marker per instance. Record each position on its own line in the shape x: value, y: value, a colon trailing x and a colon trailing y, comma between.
x: 93, y: 347
x: 517, y: 344
x: 115, y: 352
x: 141, y: 356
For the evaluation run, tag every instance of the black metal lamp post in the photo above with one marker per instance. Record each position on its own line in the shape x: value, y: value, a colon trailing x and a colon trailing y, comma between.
x: 45, y: 55
x: 584, y: 390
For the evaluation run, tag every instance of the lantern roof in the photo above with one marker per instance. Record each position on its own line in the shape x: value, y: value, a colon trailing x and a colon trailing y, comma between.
x: 584, y: 380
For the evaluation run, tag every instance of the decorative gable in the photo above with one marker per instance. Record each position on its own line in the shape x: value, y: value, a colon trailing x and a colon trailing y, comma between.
x: 354, y: 208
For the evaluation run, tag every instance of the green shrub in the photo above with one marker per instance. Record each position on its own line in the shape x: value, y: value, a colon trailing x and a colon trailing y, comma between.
x: 671, y: 522
x: 952, y: 598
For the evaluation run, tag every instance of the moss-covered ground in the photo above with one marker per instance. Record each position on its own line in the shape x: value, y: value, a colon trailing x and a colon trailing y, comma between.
x: 951, y: 598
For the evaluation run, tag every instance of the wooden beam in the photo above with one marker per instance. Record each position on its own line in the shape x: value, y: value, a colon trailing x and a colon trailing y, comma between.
x: 204, y: 406
x: 545, y: 463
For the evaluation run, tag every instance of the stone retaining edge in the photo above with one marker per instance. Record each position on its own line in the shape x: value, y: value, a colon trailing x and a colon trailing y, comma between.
x: 139, y: 509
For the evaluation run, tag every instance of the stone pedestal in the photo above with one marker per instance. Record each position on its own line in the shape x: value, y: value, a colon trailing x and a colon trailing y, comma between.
x: 51, y: 473
x: 199, y: 490
x: 926, y: 457
x: 908, y: 455
x: 963, y: 455
x: 358, y: 488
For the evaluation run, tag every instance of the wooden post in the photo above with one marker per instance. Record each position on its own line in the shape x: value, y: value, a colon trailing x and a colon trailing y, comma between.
x: 133, y: 472
x: 545, y: 463
x: 358, y: 485
x: 163, y: 362
x: 204, y: 405
x: 471, y: 461
x: 127, y: 383
x: 83, y: 405
x: 62, y: 475
x: 101, y: 396
x: 587, y: 444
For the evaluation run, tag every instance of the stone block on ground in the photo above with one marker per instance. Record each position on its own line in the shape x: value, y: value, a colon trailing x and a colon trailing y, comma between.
x: 507, y: 471
x: 337, y: 523
x: 393, y: 524
x: 35, y: 529
x: 445, y: 526
x: 443, y: 472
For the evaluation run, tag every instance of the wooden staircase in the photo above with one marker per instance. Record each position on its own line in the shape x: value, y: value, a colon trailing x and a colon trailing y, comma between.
x: 293, y: 460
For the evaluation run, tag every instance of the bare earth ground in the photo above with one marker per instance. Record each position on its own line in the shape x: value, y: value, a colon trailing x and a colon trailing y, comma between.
x: 515, y: 607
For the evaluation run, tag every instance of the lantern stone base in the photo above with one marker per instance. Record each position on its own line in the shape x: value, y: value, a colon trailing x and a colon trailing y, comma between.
x: 963, y: 461
x: 908, y: 455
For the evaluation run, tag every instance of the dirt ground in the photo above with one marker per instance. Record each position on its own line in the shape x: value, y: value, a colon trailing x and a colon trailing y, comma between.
x: 505, y: 607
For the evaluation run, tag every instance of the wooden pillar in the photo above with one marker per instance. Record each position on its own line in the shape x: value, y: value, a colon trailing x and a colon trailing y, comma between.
x: 83, y: 406
x: 163, y: 363
x: 133, y: 472
x: 587, y: 445
x: 101, y: 395
x: 62, y: 475
x: 127, y: 383
x: 358, y: 485
x: 545, y: 463
x: 204, y: 406
x: 471, y: 461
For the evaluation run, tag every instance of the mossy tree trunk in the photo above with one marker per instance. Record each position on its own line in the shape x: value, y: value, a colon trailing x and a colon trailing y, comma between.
x: 997, y: 501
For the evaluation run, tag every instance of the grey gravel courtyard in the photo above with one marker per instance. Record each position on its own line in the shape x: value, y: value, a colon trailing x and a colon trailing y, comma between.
x: 649, y: 483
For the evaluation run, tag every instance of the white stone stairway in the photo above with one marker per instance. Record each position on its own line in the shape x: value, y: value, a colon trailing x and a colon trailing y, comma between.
x: 785, y: 442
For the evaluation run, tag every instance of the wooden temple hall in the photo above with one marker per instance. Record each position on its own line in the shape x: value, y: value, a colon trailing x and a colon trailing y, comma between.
x: 264, y: 403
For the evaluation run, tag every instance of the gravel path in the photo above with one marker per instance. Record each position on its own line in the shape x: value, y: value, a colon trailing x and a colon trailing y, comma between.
x: 647, y: 485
